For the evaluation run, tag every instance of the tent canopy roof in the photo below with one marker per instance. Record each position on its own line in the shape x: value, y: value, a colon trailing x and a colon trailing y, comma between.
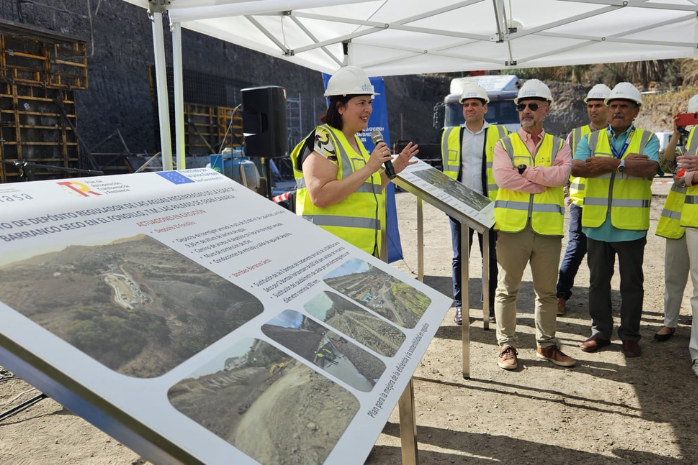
x: 392, y: 37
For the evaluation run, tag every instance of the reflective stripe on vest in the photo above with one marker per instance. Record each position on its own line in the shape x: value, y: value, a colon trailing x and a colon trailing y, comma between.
x: 669, y: 224
x: 450, y: 158
x: 626, y: 198
x: 513, y: 209
x: 689, y: 211
x: 452, y: 145
x: 577, y: 184
x: 357, y: 218
x: 343, y: 221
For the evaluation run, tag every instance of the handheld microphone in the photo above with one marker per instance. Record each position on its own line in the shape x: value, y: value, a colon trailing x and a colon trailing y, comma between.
x: 377, y: 138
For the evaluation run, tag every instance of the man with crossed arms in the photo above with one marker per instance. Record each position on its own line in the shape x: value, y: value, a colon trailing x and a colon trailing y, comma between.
x: 530, y: 168
x: 618, y: 164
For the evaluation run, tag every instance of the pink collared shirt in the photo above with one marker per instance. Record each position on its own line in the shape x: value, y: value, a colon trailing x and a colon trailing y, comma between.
x: 536, y: 178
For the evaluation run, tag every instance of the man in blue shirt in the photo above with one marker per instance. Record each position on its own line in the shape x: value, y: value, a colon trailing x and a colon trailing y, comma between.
x: 619, y: 164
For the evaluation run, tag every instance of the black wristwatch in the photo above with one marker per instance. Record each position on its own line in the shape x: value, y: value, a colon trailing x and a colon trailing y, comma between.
x: 521, y: 168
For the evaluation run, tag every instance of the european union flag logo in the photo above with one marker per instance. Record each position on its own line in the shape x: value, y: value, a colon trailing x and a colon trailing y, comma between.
x: 174, y: 177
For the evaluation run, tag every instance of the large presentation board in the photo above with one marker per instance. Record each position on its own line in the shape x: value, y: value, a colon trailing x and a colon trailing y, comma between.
x: 196, y: 321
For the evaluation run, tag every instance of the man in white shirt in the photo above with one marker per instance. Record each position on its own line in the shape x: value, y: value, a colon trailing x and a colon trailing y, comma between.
x: 466, y: 153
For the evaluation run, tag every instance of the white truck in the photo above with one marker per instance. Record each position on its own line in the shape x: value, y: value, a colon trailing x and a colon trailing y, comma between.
x: 501, y: 90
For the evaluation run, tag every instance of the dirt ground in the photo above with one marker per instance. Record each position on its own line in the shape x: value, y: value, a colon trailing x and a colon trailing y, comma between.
x: 606, y: 410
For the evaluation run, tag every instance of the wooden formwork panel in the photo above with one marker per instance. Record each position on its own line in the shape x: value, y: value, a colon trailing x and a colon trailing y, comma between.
x: 34, y: 128
x: 205, y: 128
x: 55, y: 64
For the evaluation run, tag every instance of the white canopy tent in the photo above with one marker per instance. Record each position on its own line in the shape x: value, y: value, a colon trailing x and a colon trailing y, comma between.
x: 392, y: 37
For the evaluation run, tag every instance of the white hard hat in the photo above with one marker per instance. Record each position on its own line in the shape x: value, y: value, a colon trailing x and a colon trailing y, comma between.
x: 598, y: 92
x: 533, y: 88
x: 693, y: 104
x: 624, y: 91
x: 473, y: 90
x: 349, y: 80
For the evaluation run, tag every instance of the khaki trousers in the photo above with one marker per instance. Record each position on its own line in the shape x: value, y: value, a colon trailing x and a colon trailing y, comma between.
x: 514, y: 252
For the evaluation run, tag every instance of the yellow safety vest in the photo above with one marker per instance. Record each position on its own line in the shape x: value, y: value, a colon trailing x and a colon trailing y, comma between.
x: 547, y: 209
x: 669, y: 224
x: 689, y: 212
x: 576, y: 183
x: 451, y: 146
x: 626, y: 197
x: 356, y: 219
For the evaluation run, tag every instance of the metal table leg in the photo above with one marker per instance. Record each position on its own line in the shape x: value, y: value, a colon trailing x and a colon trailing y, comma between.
x: 420, y: 240
x: 408, y: 426
x: 486, y: 280
x: 465, y: 297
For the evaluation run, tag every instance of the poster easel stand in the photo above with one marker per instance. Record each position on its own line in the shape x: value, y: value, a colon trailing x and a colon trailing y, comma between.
x: 408, y: 418
x: 408, y: 423
x: 466, y: 223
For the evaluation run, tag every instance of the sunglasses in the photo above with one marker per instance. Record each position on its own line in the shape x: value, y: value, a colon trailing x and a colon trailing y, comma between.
x: 532, y: 106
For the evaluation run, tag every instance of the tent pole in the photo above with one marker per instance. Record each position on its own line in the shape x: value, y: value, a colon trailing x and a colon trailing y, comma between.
x: 347, y: 53
x: 178, y: 75
x: 161, y: 81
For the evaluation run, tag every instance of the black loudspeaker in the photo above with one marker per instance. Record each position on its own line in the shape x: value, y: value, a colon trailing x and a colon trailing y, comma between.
x: 264, y: 122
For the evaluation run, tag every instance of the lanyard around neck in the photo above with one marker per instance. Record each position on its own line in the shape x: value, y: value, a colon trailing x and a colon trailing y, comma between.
x: 616, y: 153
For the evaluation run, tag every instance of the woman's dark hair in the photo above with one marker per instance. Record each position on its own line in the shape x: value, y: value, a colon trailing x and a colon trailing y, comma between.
x: 332, y: 117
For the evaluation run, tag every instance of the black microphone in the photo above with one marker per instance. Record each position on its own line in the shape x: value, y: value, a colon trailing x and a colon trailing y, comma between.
x: 377, y: 138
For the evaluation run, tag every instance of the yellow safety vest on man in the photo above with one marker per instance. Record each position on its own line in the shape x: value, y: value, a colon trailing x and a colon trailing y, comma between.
x: 626, y: 197
x: 356, y: 219
x: 689, y: 212
x: 577, y: 185
x: 547, y: 209
x: 669, y: 224
x: 451, y: 145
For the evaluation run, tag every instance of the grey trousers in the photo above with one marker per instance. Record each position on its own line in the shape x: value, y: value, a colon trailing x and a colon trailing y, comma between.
x: 676, y: 270
x: 692, y: 245
x: 601, y: 257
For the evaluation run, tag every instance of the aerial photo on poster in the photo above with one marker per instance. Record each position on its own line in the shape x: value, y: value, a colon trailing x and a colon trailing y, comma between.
x: 330, y: 351
x: 384, y: 294
x: 455, y: 189
x: 361, y: 325
x: 267, y: 404
x: 131, y: 303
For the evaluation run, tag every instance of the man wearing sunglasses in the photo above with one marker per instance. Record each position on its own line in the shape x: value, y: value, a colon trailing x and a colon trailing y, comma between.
x: 466, y: 153
x: 618, y: 164
x: 577, y: 241
x: 530, y: 168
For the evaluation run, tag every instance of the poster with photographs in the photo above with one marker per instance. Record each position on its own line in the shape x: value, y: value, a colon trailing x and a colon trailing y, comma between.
x: 196, y: 321
x: 464, y: 200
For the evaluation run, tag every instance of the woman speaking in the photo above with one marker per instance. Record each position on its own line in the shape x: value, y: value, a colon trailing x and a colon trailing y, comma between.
x: 340, y: 187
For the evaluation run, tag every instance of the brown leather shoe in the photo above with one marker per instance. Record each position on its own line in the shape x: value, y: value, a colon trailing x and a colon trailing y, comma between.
x: 631, y: 349
x: 594, y: 343
x: 555, y: 355
x: 458, y: 318
x: 561, y: 302
x: 507, y: 358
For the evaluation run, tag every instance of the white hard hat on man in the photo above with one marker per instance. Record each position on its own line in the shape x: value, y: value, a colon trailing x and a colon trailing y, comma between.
x: 598, y: 92
x: 625, y: 91
x: 349, y: 80
x: 534, y: 89
x: 693, y: 104
x: 474, y: 90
